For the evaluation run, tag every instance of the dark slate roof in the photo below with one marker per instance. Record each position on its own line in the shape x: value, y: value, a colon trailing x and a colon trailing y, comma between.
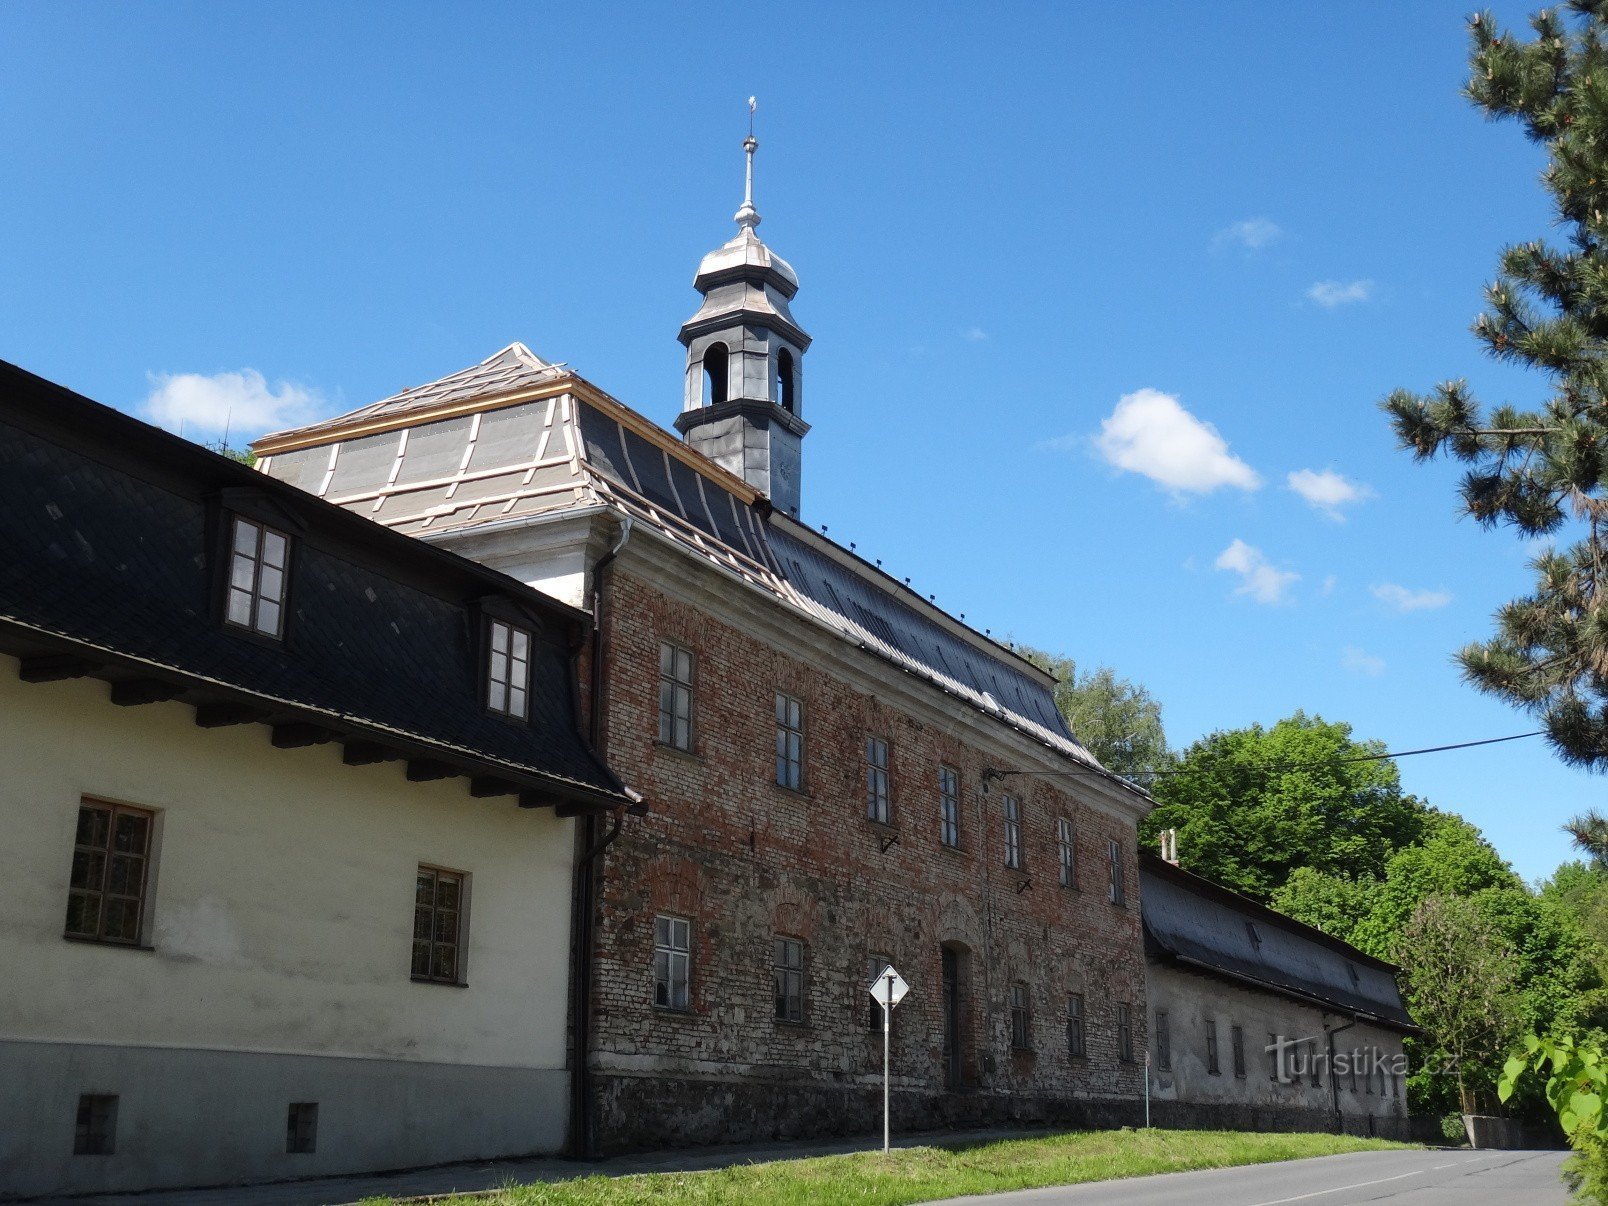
x: 1205, y: 927
x: 104, y: 550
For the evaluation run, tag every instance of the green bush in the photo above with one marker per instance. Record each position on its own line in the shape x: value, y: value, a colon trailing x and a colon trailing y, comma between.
x: 1454, y: 1130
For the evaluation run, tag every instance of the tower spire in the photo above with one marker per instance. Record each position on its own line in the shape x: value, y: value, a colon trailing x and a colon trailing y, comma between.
x: 748, y: 217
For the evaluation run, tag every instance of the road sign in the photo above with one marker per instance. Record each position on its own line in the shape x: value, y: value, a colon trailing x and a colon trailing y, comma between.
x: 888, y: 988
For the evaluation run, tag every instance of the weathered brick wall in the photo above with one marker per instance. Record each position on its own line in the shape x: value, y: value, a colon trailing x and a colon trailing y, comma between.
x: 746, y: 860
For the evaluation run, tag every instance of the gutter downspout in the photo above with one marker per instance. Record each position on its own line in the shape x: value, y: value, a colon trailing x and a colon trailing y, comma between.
x: 1334, y: 1079
x: 588, y: 874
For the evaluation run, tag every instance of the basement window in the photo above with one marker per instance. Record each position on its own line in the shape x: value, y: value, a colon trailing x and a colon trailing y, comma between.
x: 258, y: 560
x: 111, y: 857
x: 508, y: 671
x: 95, y: 1133
x: 301, y: 1128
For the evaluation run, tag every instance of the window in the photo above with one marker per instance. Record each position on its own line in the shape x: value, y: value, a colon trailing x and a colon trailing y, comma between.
x: 715, y: 365
x: 257, y: 561
x: 1013, y: 833
x: 1066, y: 851
x: 671, y: 959
x: 873, y: 968
x: 111, y: 857
x: 1274, y: 1047
x: 949, y: 805
x: 1124, y: 1034
x: 790, y: 980
x: 438, y: 907
x: 877, y: 807
x: 1312, y: 1065
x: 789, y: 742
x: 301, y: 1128
x: 1395, y: 1084
x: 1114, y: 854
x: 508, y: 671
x: 1236, y: 1039
x: 1077, y: 1045
x: 675, y: 696
x: 1163, y: 1040
x: 95, y: 1133
x: 1019, y: 1017
x: 1254, y: 935
x: 1213, y: 1065
x: 784, y: 380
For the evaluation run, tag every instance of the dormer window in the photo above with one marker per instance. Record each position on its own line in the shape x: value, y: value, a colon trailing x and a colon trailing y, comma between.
x: 258, y: 556
x: 508, y: 670
x: 1254, y: 935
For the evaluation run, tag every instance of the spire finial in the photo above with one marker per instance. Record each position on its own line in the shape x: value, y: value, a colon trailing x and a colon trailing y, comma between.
x: 748, y: 217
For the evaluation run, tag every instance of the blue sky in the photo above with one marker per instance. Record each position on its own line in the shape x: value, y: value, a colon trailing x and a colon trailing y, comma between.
x: 1087, y: 285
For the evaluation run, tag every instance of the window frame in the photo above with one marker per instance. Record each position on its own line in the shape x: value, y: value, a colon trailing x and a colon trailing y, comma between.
x: 790, y: 742
x: 949, y: 805
x: 878, y: 782
x: 1118, y: 890
x: 1236, y: 1042
x: 1163, y: 1040
x: 1077, y: 1033
x: 1214, y: 1062
x: 1066, y: 851
x: 257, y: 559
x: 95, y: 1124
x: 1011, y: 806
x: 1125, y: 1049
x: 460, y: 939
x: 665, y: 949
x: 788, y: 979
x: 676, y: 687
x: 301, y: 1128
x: 1021, y: 1015
x: 489, y: 667
x: 109, y: 854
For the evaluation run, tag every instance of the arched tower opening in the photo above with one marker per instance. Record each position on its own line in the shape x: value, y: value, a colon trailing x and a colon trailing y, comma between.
x: 717, y: 374
x: 784, y: 381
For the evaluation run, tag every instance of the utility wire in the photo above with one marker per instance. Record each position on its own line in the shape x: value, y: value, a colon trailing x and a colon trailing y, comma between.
x: 1274, y: 767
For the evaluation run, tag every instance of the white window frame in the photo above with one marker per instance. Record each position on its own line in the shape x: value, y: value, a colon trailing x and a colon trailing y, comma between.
x: 949, y: 805
x: 1013, y: 832
x: 1066, y: 852
x: 878, y: 802
x: 672, y: 962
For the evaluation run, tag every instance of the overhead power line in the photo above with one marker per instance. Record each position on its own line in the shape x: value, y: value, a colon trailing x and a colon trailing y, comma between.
x: 1277, y: 767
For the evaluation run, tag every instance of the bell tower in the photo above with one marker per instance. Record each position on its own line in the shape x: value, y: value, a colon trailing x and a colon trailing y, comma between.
x: 744, y: 405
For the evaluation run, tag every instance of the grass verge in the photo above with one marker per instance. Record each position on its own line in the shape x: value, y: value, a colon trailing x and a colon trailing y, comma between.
x: 921, y: 1174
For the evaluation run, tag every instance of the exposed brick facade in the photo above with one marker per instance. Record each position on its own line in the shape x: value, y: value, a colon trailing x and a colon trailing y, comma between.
x: 745, y: 860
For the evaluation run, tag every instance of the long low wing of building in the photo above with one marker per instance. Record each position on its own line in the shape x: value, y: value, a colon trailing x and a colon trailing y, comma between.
x: 288, y: 801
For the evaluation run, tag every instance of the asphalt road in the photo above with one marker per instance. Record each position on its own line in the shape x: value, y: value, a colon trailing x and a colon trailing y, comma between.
x: 1400, y: 1178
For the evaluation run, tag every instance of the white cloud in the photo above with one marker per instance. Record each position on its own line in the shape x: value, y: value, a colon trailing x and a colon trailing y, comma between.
x: 1259, y: 578
x: 1252, y: 234
x: 1151, y: 434
x: 1330, y: 294
x: 1329, y: 583
x: 1328, y: 491
x: 974, y: 334
x: 1362, y: 662
x: 241, y: 403
x: 1404, y: 599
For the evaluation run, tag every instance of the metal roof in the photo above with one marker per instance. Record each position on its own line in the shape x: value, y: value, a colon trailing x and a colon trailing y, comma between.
x: 1202, y: 925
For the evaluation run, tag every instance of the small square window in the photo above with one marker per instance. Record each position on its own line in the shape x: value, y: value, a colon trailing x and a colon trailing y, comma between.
x: 439, y: 903
x: 111, y: 856
x: 95, y: 1133
x: 301, y: 1128
x: 508, y: 670
x: 878, y: 806
x: 259, y: 562
x: 789, y: 742
x: 672, y: 953
x: 675, y: 696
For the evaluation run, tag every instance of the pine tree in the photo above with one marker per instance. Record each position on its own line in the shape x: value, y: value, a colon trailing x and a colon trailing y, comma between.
x: 1543, y: 471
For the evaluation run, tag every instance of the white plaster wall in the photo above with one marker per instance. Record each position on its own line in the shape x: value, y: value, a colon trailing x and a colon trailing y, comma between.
x: 282, y: 908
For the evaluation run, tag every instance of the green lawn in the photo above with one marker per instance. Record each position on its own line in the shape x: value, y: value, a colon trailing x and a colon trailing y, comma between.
x: 919, y: 1174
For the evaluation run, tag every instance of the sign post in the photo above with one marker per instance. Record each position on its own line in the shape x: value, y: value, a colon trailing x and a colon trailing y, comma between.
x: 888, y: 989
